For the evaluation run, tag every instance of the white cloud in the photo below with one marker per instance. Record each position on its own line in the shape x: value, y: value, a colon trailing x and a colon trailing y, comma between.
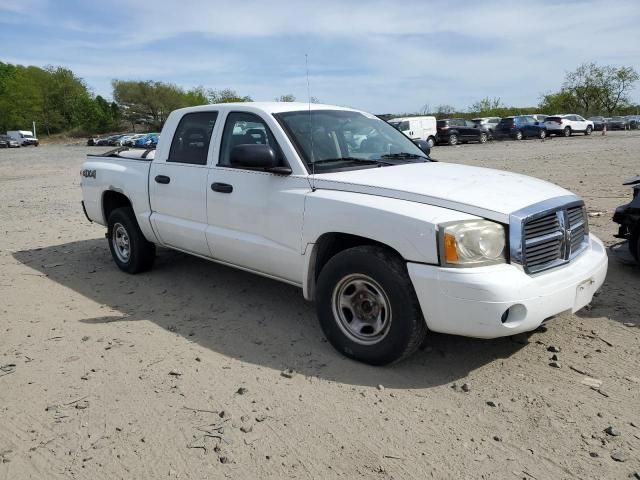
x: 379, y: 55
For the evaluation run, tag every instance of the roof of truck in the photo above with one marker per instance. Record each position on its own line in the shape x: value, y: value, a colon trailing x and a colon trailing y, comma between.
x: 269, y: 107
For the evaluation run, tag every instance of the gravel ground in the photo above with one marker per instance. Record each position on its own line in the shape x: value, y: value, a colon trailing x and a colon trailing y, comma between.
x: 178, y: 373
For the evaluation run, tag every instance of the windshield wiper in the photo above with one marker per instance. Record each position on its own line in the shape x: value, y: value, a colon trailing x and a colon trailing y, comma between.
x: 351, y: 159
x: 403, y: 155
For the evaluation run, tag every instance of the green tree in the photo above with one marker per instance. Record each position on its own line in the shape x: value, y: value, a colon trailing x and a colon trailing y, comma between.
x: 558, y: 103
x: 288, y: 97
x: 227, y: 96
x: 615, y: 84
x: 487, y: 107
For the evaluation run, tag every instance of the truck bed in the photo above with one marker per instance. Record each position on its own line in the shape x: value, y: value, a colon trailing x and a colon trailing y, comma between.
x: 145, y: 155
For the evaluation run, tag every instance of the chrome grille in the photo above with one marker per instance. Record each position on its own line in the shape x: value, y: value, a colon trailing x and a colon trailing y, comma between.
x: 548, y: 238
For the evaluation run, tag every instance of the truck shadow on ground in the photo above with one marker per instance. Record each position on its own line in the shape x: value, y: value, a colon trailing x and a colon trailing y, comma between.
x: 246, y: 317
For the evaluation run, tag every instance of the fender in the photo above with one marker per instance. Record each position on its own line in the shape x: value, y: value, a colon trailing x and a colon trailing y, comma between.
x: 407, y: 227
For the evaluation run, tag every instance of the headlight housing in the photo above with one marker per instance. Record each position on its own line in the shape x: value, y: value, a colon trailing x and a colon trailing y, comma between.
x: 472, y: 243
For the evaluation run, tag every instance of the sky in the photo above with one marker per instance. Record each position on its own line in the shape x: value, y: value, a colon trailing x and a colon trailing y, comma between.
x: 382, y: 56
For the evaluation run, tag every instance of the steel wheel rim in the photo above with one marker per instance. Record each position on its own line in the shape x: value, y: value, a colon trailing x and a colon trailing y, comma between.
x: 361, y: 309
x: 121, y: 243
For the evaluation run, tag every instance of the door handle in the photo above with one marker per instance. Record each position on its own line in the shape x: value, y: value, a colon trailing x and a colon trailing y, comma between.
x: 222, y: 187
x: 162, y: 179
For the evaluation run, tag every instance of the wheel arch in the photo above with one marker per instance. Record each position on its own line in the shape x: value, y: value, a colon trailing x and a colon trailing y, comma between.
x: 326, y: 247
x: 112, y: 199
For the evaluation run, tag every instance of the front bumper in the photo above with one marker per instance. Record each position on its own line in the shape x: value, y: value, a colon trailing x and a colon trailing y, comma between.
x: 473, y: 301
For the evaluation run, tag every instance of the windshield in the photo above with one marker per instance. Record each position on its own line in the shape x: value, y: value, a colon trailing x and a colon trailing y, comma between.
x: 334, y: 139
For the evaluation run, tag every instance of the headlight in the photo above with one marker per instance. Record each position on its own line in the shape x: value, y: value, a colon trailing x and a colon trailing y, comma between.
x: 472, y: 243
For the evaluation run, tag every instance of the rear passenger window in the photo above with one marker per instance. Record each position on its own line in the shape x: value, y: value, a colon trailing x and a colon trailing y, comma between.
x: 245, y: 129
x: 191, y: 141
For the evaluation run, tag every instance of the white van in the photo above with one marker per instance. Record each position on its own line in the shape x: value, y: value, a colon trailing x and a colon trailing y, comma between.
x: 423, y: 128
x: 25, y: 137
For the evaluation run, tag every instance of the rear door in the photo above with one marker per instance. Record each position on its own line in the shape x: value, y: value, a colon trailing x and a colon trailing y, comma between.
x: 178, y: 185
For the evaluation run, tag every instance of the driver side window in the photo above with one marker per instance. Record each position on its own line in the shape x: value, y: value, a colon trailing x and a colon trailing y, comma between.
x: 243, y: 128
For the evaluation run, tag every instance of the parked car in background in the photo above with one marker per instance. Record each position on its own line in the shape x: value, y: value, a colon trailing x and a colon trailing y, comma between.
x: 628, y: 217
x: 24, y: 137
x: 458, y: 130
x: 104, y: 141
x: 7, y: 142
x: 598, y: 123
x: 417, y: 128
x: 520, y: 127
x: 634, y: 121
x: 567, y: 125
x: 130, y: 141
x: 539, y: 117
x: 486, y: 124
x: 148, y: 140
x: 618, y: 123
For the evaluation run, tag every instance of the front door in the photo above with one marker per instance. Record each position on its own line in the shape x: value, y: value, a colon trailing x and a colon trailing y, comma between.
x: 178, y: 185
x: 255, y: 217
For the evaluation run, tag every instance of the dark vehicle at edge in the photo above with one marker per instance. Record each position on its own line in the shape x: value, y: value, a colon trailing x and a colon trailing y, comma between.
x: 598, y: 123
x: 520, y: 127
x: 628, y: 217
x: 618, y: 123
x: 458, y: 130
x: 7, y: 142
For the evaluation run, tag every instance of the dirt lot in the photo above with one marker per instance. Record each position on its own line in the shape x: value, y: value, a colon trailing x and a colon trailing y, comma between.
x: 177, y: 373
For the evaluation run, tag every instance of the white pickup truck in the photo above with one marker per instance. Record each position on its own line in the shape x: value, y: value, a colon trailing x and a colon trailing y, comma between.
x: 388, y: 243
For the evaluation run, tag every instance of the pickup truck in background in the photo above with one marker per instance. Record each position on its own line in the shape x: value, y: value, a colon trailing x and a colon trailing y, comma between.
x: 389, y: 244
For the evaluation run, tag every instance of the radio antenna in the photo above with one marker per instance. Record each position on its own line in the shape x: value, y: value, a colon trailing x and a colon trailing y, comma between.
x: 312, y: 183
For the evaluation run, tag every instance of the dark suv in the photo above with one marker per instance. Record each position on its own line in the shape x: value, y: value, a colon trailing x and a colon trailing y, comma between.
x: 458, y: 130
x: 628, y: 217
x: 520, y: 127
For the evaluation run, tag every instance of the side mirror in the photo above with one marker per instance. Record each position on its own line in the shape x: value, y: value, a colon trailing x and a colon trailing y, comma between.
x: 257, y: 156
x: 423, y: 145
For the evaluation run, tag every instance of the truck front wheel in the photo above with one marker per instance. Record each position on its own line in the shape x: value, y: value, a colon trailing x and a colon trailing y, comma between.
x: 129, y: 249
x: 367, y: 306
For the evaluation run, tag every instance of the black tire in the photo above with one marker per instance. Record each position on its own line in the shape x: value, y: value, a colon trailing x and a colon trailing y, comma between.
x: 634, y: 242
x: 453, y: 139
x: 431, y: 141
x: 405, y: 328
x: 542, y: 134
x: 588, y: 130
x: 483, y: 138
x: 141, y: 253
x: 519, y: 135
x: 567, y: 131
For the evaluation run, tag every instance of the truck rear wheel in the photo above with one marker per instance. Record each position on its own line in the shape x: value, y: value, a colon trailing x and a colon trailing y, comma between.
x: 367, y: 306
x: 130, y: 250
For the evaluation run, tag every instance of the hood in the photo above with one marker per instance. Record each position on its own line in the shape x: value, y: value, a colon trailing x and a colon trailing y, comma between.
x: 484, y: 192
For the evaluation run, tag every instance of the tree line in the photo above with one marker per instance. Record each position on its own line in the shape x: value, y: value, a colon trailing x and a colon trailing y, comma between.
x: 53, y: 97
x: 590, y: 90
x: 59, y: 101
